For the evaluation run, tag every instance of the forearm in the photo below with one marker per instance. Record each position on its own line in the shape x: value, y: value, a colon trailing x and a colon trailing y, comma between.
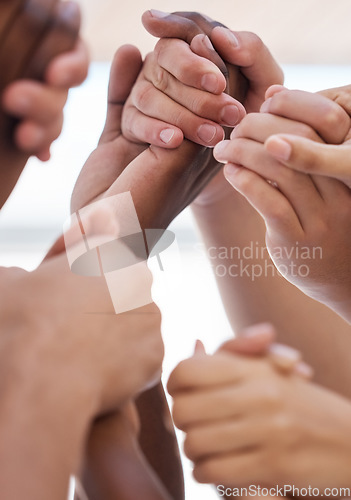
x: 114, y: 465
x: 40, y: 445
x: 230, y: 225
x: 158, y: 440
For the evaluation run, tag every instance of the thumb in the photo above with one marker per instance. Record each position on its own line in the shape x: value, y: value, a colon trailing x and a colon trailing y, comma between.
x: 253, y: 341
x: 125, y: 69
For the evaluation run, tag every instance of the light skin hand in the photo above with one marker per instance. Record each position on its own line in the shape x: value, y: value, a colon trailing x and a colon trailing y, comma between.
x: 246, y: 423
x: 304, y: 155
x: 39, y: 106
x: 179, y: 94
x: 65, y: 324
x: 306, y: 213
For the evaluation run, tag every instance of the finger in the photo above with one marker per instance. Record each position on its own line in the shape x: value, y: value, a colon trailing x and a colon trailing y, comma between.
x: 209, y: 405
x: 125, y: 69
x: 34, y: 101
x: 208, y: 371
x: 340, y: 95
x: 309, y: 157
x: 167, y: 25
x: 222, y: 437
x: 272, y: 205
x: 247, y: 50
x: 184, y: 26
x: 237, y: 84
x: 44, y: 155
x: 69, y: 69
x: 299, y: 190
x: 325, y: 116
x: 304, y: 370
x: 254, y: 340
x: 231, y: 469
x: 191, y: 69
x: 259, y: 126
x: 35, y: 139
x: 222, y: 108
x: 206, y: 24
x: 284, y: 357
x: 138, y: 127
x: 151, y: 102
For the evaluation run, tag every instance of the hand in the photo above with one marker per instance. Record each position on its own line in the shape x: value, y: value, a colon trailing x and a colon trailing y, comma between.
x: 180, y: 94
x: 246, y: 423
x: 162, y: 182
x: 39, y: 106
x: 259, y: 340
x: 305, y: 155
x: 52, y: 314
x: 243, y: 50
x: 306, y: 217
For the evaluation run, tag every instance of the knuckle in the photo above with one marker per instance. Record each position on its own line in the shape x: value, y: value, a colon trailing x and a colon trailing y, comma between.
x: 283, y: 427
x: 192, y: 445
x: 179, y: 412
x: 270, y: 395
x: 306, y: 131
x: 143, y: 95
x: 335, y: 118
x: 207, y: 471
x: 161, y: 79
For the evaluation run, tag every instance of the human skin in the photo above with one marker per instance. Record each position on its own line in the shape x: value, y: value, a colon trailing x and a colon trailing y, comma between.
x: 219, y: 210
x: 307, y: 212
x: 245, y: 423
x: 305, y: 155
x: 248, y: 300
x: 40, y: 108
x: 111, y: 143
x: 52, y: 323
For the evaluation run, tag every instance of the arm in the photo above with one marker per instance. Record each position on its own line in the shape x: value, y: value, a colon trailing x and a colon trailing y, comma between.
x: 228, y: 222
x: 61, y: 374
x: 307, y: 217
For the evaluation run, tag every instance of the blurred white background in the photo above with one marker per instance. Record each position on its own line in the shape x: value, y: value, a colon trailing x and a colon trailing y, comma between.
x: 300, y: 34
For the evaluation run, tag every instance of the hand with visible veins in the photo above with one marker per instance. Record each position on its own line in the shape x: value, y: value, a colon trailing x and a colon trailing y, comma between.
x: 246, y: 422
x: 307, y: 216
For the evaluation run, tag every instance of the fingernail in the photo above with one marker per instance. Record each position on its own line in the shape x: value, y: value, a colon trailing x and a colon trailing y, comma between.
x: 257, y: 330
x: 283, y: 355
x: 304, y: 370
x: 209, y: 82
x: 266, y: 105
x: 207, y: 42
x: 158, y: 13
x: 278, y: 148
x: 220, y: 150
x: 230, y: 115
x: 206, y: 133
x: 231, y: 38
x: 167, y: 135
